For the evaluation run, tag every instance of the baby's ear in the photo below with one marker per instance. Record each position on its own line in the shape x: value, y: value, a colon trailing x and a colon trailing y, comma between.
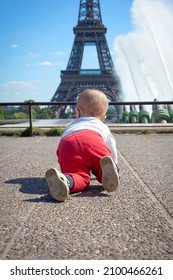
x: 103, y: 118
x: 78, y: 114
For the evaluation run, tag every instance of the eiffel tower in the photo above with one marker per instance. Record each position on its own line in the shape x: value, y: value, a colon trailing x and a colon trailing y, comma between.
x: 89, y: 31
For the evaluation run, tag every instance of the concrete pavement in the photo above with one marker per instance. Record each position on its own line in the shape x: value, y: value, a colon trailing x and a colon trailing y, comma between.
x: 136, y: 222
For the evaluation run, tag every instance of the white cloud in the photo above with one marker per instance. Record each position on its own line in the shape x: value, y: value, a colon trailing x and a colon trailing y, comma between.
x: 59, y: 53
x: 34, y: 54
x: 45, y: 63
x: 14, y: 46
x: 17, y: 85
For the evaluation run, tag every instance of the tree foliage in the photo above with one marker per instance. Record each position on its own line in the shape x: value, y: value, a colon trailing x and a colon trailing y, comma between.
x: 22, y: 112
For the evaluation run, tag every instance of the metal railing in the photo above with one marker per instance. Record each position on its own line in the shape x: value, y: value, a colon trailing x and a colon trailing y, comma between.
x: 30, y: 104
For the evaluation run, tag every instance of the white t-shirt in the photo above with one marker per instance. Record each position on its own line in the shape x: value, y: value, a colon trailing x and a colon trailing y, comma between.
x: 95, y: 124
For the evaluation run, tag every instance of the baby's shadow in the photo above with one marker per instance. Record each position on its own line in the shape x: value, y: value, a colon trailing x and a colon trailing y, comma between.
x: 35, y: 185
x: 93, y: 191
x: 38, y: 186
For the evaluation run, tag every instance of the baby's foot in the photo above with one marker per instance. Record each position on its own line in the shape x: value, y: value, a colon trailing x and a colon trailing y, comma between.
x: 58, y: 184
x: 110, y: 178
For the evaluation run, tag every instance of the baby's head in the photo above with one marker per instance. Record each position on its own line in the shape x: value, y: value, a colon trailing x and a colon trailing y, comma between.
x: 92, y: 103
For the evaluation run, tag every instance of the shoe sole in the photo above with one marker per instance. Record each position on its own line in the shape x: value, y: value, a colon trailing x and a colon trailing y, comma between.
x: 57, y: 186
x: 110, y: 178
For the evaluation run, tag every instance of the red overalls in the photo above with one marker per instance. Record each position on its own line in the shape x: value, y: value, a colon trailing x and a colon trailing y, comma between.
x: 79, y: 154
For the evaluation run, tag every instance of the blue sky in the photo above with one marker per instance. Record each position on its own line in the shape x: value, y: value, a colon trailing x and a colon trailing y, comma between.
x: 36, y: 38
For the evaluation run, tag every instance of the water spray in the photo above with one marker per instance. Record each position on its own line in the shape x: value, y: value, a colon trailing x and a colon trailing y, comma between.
x: 157, y: 45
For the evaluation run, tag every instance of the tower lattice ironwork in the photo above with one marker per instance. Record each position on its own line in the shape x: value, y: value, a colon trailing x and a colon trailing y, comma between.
x: 89, y: 31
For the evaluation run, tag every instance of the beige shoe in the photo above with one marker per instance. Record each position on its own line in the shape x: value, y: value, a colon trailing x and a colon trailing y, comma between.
x: 58, y: 185
x: 110, y: 178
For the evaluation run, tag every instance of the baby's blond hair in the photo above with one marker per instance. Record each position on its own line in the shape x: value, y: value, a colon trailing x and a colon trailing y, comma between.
x: 92, y: 103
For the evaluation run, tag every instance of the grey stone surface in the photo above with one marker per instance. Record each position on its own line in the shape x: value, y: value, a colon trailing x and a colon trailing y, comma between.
x: 136, y: 222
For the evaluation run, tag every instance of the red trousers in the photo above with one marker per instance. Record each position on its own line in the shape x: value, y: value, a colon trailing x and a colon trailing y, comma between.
x: 79, y: 154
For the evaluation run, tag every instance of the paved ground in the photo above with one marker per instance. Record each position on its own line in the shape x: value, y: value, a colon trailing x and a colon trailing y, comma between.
x: 136, y: 222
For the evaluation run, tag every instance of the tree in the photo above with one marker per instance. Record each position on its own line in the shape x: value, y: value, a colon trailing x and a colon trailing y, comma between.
x: 3, y: 113
x: 25, y: 109
x: 45, y: 113
x: 19, y: 115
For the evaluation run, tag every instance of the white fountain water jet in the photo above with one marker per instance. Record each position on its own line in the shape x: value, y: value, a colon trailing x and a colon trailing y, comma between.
x: 144, y: 59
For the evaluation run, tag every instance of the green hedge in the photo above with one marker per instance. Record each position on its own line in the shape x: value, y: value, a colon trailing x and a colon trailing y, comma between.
x: 36, y: 131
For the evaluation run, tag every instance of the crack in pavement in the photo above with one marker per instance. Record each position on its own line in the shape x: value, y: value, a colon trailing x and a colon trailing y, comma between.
x: 152, y: 196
